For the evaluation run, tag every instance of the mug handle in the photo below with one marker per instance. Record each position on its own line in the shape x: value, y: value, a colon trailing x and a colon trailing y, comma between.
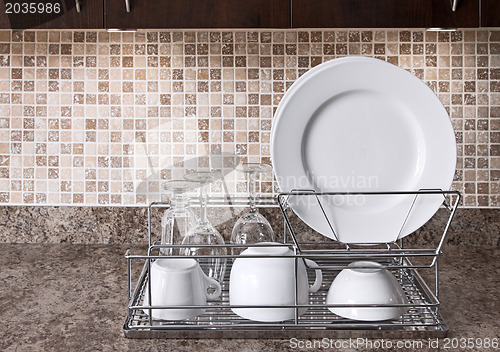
x: 319, y: 275
x: 212, y: 282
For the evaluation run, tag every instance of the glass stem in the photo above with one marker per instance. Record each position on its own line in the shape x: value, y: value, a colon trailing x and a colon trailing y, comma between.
x: 252, y: 185
x: 203, y: 204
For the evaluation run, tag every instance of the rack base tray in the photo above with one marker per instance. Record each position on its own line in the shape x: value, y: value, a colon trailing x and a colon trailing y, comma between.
x: 421, y: 321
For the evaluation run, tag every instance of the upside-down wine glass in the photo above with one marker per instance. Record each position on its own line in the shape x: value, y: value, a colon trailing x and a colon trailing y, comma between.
x: 251, y: 227
x: 179, y: 218
x: 204, y: 233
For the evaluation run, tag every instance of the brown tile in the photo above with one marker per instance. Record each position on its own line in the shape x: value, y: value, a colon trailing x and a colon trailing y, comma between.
x: 340, y: 36
x: 405, y: 36
x: 431, y: 61
x: 482, y: 48
x: 29, y: 36
x: 253, y: 137
x: 482, y: 61
x: 90, y: 61
x: 65, y: 148
x: 240, y: 61
x: 366, y: 36
x: 469, y: 86
x: 28, y: 136
x: 417, y: 49
x: 315, y: 36
x: 495, y: 86
x: 127, y: 61
x: 41, y: 160
x: 405, y: 49
x: 495, y: 73
x: 4, y: 197
x: 16, y: 136
x: 28, y: 198
x: 227, y: 61
x: 252, y: 36
x: 341, y: 49
x: 393, y: 60
x: 29, y: 61
x: 5, y: 36
x: 4, y: 48
x: 482, y: 163
x: 103, y: 198
x: 227, y: 49
x: 430, y: 49
x: 90, y: 99
x: 456, y: 36
x: 418, y: 36
x: 494, y: 48
x: 66, y: 73
x: 79, y: 37
x: 17, y: 36
x: 4, y: 172
x: 115, y: 49
x: 165, y: 37
x: 456, y: 74
x: 91, y: 37
x: 215, y: 86
x: 457, y: 48
x: 265, y: 37
x: 443, y: 37
x: 65, y: 186
x: 90, y: 136
x: 303, y: 37
x: 315, y: 61
x: 241, y: 111
x: 482, y: 73
x: 379, y: 49
x: 53, y: 173
x: 16, y: 73
x: 78, y: 148
x: 152, y: 37
x: 66, y: 49
x: 28, y: 123
x: 116, y: 162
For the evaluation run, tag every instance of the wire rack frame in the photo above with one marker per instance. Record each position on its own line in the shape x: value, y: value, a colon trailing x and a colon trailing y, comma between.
x: 422, y: 318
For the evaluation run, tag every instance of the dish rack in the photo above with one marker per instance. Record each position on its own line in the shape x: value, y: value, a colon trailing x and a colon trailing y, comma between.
x: 421, y: 320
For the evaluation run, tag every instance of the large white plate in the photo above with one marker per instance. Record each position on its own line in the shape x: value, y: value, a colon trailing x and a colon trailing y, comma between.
x: 359, y: 124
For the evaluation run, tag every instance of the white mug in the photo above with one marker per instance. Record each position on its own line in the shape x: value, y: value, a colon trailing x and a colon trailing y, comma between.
x: 270, y: 281
x: 179, y: 282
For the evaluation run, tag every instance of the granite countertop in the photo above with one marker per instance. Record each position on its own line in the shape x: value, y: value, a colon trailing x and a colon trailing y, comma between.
x: 68, y: 297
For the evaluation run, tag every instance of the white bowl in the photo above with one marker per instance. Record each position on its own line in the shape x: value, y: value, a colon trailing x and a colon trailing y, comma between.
x: 366, y: 283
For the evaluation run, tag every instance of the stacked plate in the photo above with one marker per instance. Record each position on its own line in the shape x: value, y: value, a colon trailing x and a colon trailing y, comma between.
x: 359, y: 124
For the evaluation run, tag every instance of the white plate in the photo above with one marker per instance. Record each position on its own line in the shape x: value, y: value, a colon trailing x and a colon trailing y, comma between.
x: 359, y: 124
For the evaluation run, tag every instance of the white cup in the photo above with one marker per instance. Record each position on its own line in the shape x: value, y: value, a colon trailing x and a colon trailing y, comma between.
x: 179, y: 282
x: 270, y: 281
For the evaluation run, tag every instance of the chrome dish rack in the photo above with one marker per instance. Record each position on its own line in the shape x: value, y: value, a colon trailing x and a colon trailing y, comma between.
x: 421, y: 320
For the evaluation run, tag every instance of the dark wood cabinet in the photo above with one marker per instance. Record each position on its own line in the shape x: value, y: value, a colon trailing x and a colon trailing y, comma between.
x: 166, y: 14
x: 197, y: 14
x: 490, y: 13
x: 51, y: 14
x: 384, y: 14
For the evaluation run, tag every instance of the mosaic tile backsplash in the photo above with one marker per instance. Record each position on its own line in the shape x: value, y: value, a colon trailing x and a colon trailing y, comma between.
x: 98, y: 118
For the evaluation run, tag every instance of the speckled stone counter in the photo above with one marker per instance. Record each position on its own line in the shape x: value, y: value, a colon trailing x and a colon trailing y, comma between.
x: 115, y: 225
x: 70, y: 297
